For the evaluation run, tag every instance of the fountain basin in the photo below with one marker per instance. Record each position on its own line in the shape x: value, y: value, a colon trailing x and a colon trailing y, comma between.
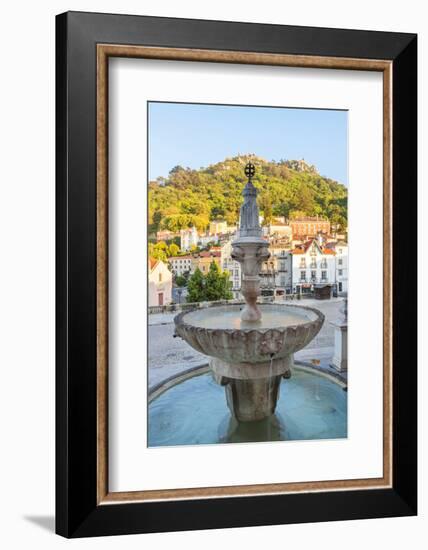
x: 221, y: 333
x: 310, y: 406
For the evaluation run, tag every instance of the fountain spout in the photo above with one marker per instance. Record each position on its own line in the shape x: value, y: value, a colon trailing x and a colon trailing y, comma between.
x: 250, y: 249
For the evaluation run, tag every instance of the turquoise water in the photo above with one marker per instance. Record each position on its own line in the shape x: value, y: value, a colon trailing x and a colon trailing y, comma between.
x: 195, y: 413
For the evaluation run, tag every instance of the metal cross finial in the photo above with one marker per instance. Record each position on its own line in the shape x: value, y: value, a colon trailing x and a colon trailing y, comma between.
x: 250, y: 170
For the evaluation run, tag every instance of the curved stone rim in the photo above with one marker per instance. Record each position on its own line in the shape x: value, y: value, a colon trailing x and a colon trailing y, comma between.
x: 320, y: 317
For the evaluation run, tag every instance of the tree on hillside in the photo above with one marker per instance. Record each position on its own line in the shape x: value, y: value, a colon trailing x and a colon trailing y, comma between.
x: 305, y: 198
x: 157, y: 218
x: 158, y: 251
x: 173, y: 249
x: 297, y: 214
x: 265, y: 205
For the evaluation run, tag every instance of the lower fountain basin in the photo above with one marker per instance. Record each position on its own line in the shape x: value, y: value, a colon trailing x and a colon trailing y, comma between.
x: 195, y: 412
x: 219, y: 331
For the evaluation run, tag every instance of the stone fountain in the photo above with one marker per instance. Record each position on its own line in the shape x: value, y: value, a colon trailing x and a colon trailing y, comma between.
x: 252, y: 346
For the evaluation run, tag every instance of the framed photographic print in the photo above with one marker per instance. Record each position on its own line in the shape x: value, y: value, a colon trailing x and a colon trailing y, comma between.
x: 236, y: 326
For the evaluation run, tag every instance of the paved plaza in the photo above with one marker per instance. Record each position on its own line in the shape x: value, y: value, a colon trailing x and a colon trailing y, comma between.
x: 169, y: 356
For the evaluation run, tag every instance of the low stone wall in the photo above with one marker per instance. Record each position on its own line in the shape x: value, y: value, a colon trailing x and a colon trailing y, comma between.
x: 171, y: 308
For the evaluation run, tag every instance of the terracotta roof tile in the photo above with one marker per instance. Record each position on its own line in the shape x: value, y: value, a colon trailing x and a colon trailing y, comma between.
x: 153, y: 262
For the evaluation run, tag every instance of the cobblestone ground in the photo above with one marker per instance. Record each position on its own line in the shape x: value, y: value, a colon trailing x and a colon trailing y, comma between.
x: 169, y: 356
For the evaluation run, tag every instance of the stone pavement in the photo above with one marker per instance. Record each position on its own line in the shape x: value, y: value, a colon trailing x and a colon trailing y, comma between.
x: 169, y: 356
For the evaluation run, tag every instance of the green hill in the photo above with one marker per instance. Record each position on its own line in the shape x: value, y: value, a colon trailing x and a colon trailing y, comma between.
x: 286, y: 188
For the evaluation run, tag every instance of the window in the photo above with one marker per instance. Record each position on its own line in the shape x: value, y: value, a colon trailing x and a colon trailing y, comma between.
x: 340, y: 261
x: 340, y: 287
x: 340, y: 272
x: 303, y: 275
x: 324, y: 275
x: 160, y: 277
x: 340, y: 251
x: 313, y: 275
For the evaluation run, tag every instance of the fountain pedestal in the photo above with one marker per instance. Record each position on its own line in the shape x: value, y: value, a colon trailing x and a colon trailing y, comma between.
x: 252, y: 389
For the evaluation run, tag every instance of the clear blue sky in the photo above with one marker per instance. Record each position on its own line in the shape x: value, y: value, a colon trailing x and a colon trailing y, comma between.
x: 195, y: 136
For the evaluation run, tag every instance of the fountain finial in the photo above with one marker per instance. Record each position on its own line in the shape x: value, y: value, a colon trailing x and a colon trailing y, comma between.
x: 249, y: 225
x: 250, y: 170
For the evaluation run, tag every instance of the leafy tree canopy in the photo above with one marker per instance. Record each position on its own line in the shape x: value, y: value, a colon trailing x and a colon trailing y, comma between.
x: 215, y: 285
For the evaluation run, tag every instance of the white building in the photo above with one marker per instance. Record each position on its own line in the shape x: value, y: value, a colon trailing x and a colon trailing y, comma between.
x: 188, y: 238
x: 232, y: 266
x: 181, y: 264
x: 160, y: 283
x: 277, y: 229
x: 341, y: 249
x: 204, y: 240
x: 217, y: 227
x: 313, y: 266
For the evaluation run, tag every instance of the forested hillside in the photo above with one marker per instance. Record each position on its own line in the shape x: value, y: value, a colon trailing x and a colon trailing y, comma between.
x: 286, y: 188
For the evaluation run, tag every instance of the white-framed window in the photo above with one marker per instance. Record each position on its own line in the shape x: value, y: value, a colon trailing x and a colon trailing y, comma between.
x: 324, y: 275
x: 313, y: 275
x: 340, y: 261
x: 340, y: 272
x: 303, y: 275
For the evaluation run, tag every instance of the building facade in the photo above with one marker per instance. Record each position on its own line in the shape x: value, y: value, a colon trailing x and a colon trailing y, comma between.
x: 205, y: 240
x: 188, y: 238
x: 278, y: 229
x: 217, y: 227
x: 160, y: 283
x: 309, y: 227
x: 276, y: 274
x: 341, y: 250
x: 232, y: 267
x: 313, y: 266
x: 165, y: 235
x: 203, y: 260
x: 181, y: 265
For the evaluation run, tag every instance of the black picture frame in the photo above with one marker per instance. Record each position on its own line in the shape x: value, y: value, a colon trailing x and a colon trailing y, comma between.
x: 77, y: 511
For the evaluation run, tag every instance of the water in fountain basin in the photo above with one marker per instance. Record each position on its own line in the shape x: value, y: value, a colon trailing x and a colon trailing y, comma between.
x: 229, y: 317
x: 195, y: 412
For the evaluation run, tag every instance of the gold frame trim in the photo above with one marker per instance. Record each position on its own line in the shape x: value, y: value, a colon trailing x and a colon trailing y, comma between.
x: 104, y: 51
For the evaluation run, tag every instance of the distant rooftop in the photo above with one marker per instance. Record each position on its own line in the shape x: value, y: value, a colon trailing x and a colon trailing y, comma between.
x: 309, y: 219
